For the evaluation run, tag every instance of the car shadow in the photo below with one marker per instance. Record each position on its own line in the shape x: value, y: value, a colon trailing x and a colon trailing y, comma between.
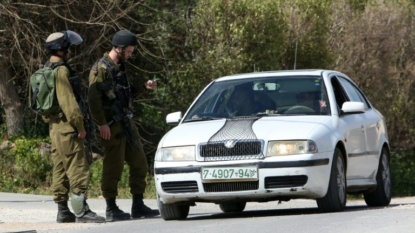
x: 280, y: 212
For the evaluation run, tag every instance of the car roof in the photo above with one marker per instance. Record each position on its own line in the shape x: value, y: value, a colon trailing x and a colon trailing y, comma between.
x: 309, y: 72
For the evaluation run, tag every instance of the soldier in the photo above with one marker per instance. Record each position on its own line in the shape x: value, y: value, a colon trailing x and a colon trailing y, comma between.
x: 67, y: 133
x: 110, y: 100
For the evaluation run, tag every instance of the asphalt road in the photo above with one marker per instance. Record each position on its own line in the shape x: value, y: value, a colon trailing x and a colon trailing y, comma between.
x: 36, y: 213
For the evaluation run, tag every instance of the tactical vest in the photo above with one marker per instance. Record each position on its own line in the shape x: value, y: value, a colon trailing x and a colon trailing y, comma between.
x: 118, y: 84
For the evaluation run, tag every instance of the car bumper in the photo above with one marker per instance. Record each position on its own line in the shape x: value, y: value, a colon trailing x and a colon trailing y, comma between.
x: 305, y: 177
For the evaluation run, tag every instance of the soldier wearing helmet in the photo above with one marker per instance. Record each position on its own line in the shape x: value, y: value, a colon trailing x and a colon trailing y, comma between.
x: 70, y: 167
x: 109, y: 89
x: 124, y: 43
x: 57, y: 44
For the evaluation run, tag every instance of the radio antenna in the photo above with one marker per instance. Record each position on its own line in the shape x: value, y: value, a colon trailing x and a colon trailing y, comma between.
x: 295, y: 56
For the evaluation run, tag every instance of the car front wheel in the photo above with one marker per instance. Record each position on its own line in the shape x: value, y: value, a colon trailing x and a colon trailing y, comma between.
x: 173, y: 211
x: 381, y: 196
x: 335, y: 198
x: 232, y: 207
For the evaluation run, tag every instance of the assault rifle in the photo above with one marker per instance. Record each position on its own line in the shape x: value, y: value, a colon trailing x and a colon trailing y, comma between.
x: 88, y: 123
x: 124, y: 115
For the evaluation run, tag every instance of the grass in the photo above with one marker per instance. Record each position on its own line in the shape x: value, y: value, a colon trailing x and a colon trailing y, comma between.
x: 150, y: 192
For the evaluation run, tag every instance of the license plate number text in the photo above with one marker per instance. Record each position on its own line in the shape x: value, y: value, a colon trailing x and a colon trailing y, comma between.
x: 230, y: 173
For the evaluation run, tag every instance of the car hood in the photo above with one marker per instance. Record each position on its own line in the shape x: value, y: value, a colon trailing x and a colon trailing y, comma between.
x: 266, y: 128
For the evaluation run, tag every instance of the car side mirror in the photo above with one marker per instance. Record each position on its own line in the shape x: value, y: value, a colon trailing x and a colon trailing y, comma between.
x: 350, y: 107
x: 173, y: 118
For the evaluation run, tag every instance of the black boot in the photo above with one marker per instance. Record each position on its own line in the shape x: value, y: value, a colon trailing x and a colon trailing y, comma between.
x: 64, y: 214
x: 90, y: 216
x: 114, y: 213
x: 139, y: 210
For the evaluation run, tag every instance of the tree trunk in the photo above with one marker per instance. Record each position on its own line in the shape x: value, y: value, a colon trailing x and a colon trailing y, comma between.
x: 10, y: 101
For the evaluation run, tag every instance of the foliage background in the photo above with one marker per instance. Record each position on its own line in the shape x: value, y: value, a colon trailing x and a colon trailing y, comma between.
x: 187, y: 44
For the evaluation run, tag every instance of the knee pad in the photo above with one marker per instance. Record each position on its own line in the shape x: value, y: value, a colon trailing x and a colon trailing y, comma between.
x: 79, y: 205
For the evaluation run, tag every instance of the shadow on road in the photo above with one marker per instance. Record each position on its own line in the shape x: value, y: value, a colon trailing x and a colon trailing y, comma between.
x: 280, y: 212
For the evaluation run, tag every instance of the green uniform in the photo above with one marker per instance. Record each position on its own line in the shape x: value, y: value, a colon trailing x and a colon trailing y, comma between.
x: 116, y: 149
x: 70, y: 167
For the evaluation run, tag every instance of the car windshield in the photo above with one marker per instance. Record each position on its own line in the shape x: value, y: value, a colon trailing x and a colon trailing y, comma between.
x: 262, y: 96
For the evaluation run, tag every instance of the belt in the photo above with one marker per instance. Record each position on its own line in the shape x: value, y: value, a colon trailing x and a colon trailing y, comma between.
x: 57, y: 119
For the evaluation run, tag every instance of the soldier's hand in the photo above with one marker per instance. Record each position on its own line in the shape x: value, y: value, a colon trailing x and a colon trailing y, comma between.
x: 82, y: 134
x: 151, y: 84
x: 105, y: 132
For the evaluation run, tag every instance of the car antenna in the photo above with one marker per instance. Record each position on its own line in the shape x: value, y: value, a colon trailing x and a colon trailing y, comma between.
x: 295, y: 56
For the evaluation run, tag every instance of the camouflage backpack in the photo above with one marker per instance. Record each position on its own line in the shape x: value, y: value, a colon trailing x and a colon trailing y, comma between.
x: 44, y: 100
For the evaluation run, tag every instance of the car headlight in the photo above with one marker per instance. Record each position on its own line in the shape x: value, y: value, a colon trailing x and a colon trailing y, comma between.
x: 277, y: 148
x: 180, y: 153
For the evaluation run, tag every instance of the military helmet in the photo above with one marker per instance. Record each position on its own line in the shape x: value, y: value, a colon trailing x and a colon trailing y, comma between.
x: 124, y: 38
x: 60, y: 41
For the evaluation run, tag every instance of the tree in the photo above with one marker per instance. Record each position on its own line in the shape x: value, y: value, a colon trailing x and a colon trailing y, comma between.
x: 26, y: 24
x: 375, y: 46
x: 10, y: 101
x: 219, y: 38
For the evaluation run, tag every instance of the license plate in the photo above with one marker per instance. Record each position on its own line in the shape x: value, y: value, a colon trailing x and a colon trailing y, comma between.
x: 230, y: 173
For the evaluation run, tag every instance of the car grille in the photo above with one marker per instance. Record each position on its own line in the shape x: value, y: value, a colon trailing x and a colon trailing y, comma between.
x: 230, y: 186
x: 239, y: 150
x: 285, y: 181
x: 180, y: 187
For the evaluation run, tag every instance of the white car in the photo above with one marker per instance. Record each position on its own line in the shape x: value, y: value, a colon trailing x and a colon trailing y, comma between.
x: 270, y: 136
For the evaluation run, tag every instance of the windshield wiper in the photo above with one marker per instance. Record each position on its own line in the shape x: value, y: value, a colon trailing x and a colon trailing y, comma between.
x: 203, y: 118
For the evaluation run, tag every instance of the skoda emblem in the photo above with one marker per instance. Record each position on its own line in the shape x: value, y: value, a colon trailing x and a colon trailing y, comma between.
x: 230, y: 143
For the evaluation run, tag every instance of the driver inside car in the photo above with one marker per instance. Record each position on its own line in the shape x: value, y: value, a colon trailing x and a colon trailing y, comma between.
x: 309, y: 99
x: 243, y: 103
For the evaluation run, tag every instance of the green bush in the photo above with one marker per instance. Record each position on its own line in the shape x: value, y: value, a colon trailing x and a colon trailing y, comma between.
x: 7, y: 174
x: 95, y: 182
x: 24, y: 168
x: 403, y: 172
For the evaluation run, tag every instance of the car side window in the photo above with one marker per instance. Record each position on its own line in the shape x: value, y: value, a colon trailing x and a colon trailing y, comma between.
x: 353, y: 92
x: 339, y: 92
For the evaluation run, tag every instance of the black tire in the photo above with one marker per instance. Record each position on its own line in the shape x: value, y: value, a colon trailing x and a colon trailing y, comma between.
x: 173, y: 211
x: 382, y: 195
x: 232, y: 207
x: 335, y: 198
